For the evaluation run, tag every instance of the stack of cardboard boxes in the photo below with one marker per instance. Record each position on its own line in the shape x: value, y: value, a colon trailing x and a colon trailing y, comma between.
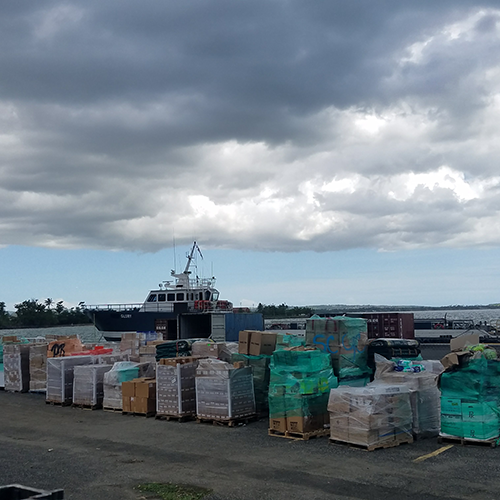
x: 139, y: 396
x: 131, y: 343
x: 88, y: 382
x: 256, y: 343
x: 373, y: 416
x: 176, y: 387
x: 223, y: 391
x: 301, y: 379
x: 16, y: 366
x: 38, y: 366
x: 112, y: 383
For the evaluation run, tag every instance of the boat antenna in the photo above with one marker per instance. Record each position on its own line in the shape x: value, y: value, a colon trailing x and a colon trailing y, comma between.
x: 191, y: 256
x: 173, y: 242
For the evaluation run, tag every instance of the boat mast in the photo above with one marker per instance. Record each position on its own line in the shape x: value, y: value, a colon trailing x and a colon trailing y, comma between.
x: 191, y: 256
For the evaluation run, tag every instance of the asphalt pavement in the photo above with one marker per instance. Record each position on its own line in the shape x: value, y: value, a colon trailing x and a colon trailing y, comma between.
x: 100, y: 455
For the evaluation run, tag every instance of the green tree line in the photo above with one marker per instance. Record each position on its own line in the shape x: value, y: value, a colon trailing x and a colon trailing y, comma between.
x: 35, y: 313
x: 284, y: 311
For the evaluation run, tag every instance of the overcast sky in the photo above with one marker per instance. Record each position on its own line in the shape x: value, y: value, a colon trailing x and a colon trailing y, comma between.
x: 350, y: 147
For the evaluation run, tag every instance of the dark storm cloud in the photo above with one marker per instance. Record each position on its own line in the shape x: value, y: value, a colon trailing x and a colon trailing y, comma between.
x: 231, y: 119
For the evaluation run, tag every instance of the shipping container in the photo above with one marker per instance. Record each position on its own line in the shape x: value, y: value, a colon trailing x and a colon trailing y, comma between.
x: 389, y: 325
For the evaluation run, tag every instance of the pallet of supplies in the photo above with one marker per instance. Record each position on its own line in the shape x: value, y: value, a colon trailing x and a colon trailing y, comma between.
x: 176, y: 387
x: 60, y: 374
x: 16, y: 364
x: 88, y: 385
x: 420, y: 377
x: 300, y: 381
x: 371, y: 417
x: 470, y: 399
x: 38, y: 367
x: 139, y: 397
x: 224, y: 392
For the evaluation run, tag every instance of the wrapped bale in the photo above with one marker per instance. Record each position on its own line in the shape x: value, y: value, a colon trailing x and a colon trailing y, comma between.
x: 38, y: 366
x: 207, y: 348
x: 16, y: 367
x: 420, y: 377
x: 470, y: 399
x: 300, y: 381
x: 175, y: 348
x: 176, y: 386
x: 223, y: 392
x: 345, y: 339
x: 88, y: 385
x: 375, y: 416
x: 261, y: 376
x: 60, y: 374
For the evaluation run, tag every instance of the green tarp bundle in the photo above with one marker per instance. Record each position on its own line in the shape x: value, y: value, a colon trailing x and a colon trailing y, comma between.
x: 300, y: 383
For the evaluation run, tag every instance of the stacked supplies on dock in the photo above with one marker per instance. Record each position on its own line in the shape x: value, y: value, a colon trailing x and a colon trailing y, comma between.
x: 176, y: 387
x: 38, y: 366
x: 131, y: 343
x: 223, y: 391
x: 174, y: 348
x: 345, y: 339
x: 16, y: 366
x: 420, y: 377
x: 470, y: 397
x: 300, y: 382
x: 284, y: 340
x: 88, y: 382
x: 261, y: 375
x: 60, y: 374
x: 375, y: 416
x: 120, y: 372
x: 139, y: 396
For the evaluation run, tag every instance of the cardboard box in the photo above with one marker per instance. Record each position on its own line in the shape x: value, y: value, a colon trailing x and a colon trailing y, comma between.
x: 480, y: 430
x: 277, y: 424
x: 262, y: 343
x: 128, y: 389
x: 305, y: 424
x: 480, y: 412
x: 127, y: 403
x: 145, y: 389
x: 458, y: 343
x: 244, y: 342
x: 143, y: 405
x: 451, y: 406
x: 452, y: 425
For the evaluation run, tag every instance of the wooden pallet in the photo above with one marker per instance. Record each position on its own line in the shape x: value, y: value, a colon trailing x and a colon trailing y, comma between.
x: 178, y: 418
x: 139, y: 414
x: 86, y: 407
x: 57, y: 403
x: 38, y: 391
x: 111, y: 409
x: 230, y: 422
x: 489, y: 443
x: 376, y: 446
x: 299, y: 436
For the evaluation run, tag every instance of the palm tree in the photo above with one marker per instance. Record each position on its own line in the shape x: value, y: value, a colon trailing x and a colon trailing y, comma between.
x: 48, y: 303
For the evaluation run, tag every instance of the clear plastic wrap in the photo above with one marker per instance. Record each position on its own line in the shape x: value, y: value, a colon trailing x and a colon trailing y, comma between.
x: 38, y: 367
x: 16, y: 367
x: 223, y: 392
x: 88, y: 382
x: 372, y: 416
x: 424, y: 393
x: 60, y: 374
x: 176, y: 386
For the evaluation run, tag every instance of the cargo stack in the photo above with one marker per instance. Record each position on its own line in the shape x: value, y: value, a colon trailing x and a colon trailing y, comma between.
x: 16, y: 367
x: 345, y: 340
x: 176, y: 387
x: 139, y: 396
x: 300, y: 382
x: 88, y: 381
x: 224, y: 392
x: 131, y: 343
x: 60, y: 374
x: 371, y: 417
x: 470, y: 398
x: 420, y: 377
x: 120, y: 372
x: 38, y: 367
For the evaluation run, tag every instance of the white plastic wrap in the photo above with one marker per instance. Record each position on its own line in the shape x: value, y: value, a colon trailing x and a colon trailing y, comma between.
x: 38, y: 366
x: 16, y: 367
x: 88, y: 385
x: 222, y: 391
x: 370, y: 416
x: 60, y: 374
x: 175, y: 387
x: 424, y: 393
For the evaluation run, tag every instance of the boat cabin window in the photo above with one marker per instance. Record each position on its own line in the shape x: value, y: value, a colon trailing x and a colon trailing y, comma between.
x: 161, y: 297
x: 152, y: 297
x: 207, y: 295
x: 180, y: 296
x: 200, y: 296
x: 170, y: 297
x: 215, y: 295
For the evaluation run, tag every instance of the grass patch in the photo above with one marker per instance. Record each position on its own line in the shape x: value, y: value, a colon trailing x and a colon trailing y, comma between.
x: 170, y: 491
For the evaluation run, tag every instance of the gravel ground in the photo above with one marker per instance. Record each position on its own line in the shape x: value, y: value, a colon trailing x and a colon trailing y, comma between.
x: 102, y: 455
